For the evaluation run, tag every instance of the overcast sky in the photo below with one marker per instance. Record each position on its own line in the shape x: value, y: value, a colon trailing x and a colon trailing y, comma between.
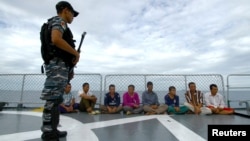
x: 134, y: 36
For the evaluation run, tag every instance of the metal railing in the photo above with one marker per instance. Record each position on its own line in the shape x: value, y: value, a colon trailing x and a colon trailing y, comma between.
x: 238, y: 90
x: 26, y: 88
x: 161, y: 83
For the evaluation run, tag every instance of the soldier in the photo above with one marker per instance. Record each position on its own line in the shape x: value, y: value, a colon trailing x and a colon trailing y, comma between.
x: 57, y: 68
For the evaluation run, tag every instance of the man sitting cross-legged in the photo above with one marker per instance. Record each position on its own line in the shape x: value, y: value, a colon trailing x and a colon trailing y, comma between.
x: 150, y: 102
x: 131, y: 101
x: 172, y: 100
x: 215, y: 102
x: 68, y: 105
x: 88, y: 100
x: 112, y: 102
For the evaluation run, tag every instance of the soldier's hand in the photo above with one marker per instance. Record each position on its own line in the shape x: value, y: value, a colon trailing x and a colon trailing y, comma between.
x: 77, y: 57
x: 71, y: 75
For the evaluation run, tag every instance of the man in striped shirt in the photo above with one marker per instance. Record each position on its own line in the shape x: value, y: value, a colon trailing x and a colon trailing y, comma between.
x: 194, y: 100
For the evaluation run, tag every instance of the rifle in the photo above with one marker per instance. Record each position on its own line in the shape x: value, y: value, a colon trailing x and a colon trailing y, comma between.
x: 71, y: 68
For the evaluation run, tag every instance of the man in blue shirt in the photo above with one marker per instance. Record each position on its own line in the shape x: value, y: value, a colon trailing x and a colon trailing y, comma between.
x: 172, y: 100
x: 150, y: 102
x: 112, y: 101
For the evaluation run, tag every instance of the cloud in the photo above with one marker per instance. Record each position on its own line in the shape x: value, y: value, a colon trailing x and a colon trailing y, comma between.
x: 129, y: 36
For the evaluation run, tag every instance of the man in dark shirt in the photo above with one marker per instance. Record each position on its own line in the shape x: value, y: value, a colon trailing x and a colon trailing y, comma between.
x: 172, y: 100
x: 112, y: 101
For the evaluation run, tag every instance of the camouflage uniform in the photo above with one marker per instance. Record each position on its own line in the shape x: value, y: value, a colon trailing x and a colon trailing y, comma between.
x: 57, y: 78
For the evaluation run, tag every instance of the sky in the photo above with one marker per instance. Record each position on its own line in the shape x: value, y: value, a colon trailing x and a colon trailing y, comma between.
x: 134, y: 36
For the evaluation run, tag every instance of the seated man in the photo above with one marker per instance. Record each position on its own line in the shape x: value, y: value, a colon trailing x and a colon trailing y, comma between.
x: 150, y: 102
x: 68, y: 105
x: 194, y: 100
x: 215, y: 102
x: 112, y: 102
x: 131, y: 101
x: 88, y: 100
x: 172, y: 100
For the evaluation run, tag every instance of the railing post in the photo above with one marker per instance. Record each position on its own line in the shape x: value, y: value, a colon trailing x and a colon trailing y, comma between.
x: 185, y: 78
x: 20, y: 104
x: 228, y: 102
x: 101, y: 91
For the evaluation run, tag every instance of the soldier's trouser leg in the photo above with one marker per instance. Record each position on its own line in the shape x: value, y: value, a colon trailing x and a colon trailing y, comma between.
x: 57, y: 119
x: 50, y: 120
x: 57, y: 77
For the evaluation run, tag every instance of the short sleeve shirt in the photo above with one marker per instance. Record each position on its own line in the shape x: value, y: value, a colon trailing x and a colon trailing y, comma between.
x: 78, y: 99
x: 59, y: 24
x: 67, y: 98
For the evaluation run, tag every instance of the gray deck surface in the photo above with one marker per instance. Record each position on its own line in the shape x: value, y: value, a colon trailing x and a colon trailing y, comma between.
x: 139, y: 130
x: 243, y: 112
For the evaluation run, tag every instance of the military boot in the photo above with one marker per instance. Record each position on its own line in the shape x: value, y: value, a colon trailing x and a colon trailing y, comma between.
x: 61, y: 134
x: 50, y: 136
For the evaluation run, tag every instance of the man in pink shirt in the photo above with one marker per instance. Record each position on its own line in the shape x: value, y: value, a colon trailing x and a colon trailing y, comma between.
x: 131, y: 101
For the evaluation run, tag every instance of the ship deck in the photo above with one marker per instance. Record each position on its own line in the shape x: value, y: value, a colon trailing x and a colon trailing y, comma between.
x: 24, y: 125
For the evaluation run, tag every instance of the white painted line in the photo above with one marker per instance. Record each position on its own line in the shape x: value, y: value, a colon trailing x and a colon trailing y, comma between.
x: 76, y: 129
x: 113, y: 122
x: 21, y: 136
x: 180, y: 131
x: 79, y: 131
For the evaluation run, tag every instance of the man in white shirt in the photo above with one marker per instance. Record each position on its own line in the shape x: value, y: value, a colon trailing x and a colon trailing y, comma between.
x: 88, y: 100
x: 215, y: 102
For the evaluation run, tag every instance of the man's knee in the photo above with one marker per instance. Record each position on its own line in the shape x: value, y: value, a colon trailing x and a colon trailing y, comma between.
x: 164, y: 107
x: 86, y: 103
x: 146, y: 108
x: 127, y: 108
